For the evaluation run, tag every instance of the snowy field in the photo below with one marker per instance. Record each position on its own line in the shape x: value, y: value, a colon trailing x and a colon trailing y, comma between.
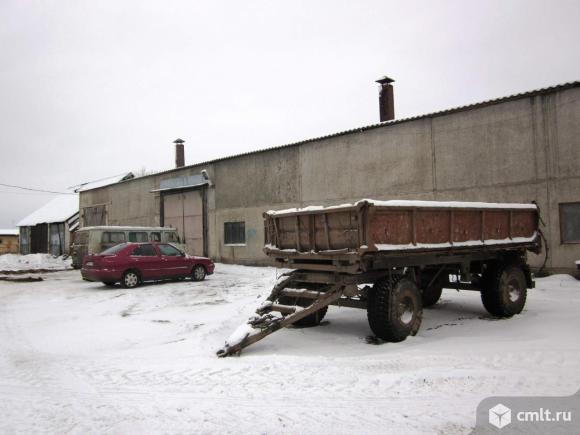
x: 77, y: 357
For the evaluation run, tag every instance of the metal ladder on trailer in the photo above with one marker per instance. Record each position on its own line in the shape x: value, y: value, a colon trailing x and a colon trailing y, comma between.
x: 276, y: 313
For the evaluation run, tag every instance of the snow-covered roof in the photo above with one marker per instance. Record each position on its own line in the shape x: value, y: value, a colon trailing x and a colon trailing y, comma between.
x: 58, y: 209
x: 103, y: 182
x: 13, y: 232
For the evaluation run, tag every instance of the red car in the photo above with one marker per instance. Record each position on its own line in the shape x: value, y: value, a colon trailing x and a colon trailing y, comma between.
x: 133, y: 263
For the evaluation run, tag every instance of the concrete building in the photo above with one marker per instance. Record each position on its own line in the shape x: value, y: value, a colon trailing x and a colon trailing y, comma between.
x: 9, y: 241
x: 519, y: 148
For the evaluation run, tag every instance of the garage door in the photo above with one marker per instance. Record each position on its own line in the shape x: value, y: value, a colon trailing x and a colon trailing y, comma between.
x: 184, y: 211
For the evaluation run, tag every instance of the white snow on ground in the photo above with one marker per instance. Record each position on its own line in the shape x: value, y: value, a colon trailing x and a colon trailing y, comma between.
x: 77, y: 357
x: 16, y: 262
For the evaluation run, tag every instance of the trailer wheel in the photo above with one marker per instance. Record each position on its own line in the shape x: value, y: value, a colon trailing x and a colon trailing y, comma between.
x: 394, y: 309
x: 313, y: 319
x: 431, y: 295
x: 504, y: 291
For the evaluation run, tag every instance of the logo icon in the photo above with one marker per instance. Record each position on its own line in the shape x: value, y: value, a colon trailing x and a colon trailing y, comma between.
x: 500, y: 416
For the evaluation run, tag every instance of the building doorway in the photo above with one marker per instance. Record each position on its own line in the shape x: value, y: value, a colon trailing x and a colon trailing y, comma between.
x: 185, y: 211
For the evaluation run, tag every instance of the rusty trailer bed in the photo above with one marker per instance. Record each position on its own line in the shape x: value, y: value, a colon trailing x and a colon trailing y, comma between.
x: 354, y: 236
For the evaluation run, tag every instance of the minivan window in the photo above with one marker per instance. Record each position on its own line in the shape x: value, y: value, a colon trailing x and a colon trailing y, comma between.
x: 113, y: 237
x: 113, y: 250
x: 140, y: 236
x: 155, y: 237
x: 172, y: 237
x: 169, y: 250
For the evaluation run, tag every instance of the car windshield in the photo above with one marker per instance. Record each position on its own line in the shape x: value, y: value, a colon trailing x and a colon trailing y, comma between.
x: 113, y: 250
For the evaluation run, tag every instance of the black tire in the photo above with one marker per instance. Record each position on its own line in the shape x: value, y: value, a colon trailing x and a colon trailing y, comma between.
x: 109, y: 283
x: 313, y: 319
x: 198, y: 273
x: 394, y: 309
x: 131, y: 279
x: 431, y: 295
x: 504, y: 290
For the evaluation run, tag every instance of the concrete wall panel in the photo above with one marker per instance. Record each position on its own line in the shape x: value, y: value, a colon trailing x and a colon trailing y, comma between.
x: 484, y: 146
x: 378, y: 162
x: 568, y: 132
x: 264, y: 178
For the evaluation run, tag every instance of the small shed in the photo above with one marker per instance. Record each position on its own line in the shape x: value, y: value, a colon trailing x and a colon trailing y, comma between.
x: 9, y: 241
x: 48, y: 229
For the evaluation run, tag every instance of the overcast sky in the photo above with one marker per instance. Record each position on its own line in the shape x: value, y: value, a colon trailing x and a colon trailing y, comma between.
x: 90, y: 89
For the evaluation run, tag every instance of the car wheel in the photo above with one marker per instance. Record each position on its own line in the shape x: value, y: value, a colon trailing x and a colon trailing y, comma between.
x: 130, y: 279
x: 198, y: 273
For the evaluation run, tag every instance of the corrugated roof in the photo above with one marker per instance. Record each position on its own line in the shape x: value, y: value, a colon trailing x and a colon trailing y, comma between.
x: 485, y: 103
x: 103, y: 182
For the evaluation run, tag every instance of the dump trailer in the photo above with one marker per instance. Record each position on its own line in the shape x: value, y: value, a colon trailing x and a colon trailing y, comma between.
x: 392, y: 258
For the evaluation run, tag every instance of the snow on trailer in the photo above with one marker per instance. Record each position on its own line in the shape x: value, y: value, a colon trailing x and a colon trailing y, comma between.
x: 407, y: 249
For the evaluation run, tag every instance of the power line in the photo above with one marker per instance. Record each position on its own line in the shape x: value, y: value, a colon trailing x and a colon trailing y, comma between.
x: 36, y: 190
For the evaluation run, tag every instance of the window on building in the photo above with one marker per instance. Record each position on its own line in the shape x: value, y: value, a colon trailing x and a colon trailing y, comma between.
x: 570, y: 222
x: 144, y: 251
x: 113, y: 237
x: 169, y: 250
x: 138, y: 236
x: 235, y: 233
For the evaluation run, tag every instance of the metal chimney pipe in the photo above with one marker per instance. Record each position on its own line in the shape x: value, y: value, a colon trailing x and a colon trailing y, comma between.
x: 386, y: 99
x: 179, y: 153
